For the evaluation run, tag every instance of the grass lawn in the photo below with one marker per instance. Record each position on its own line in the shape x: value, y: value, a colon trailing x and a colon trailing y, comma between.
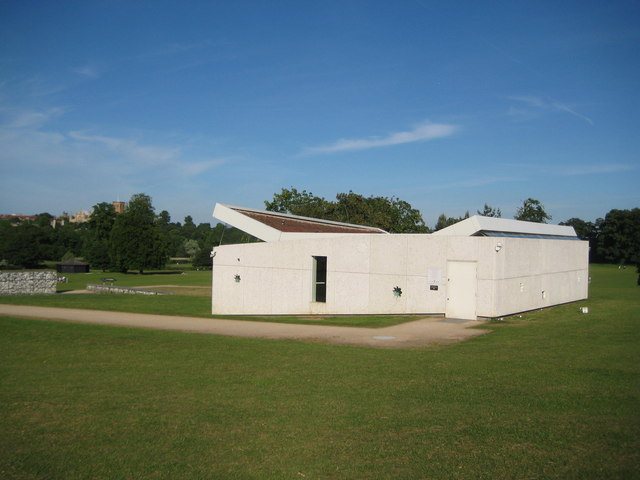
x: 553, y: 394
x: 191, y: 278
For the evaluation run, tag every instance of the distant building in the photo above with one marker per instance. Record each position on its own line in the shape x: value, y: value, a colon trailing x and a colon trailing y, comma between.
x: 72, y: 266
x: 80, y: 217
x: 16, y: 217
x: 119, y: 206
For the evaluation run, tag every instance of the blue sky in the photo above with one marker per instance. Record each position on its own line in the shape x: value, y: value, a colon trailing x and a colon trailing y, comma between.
x: 447, y: 105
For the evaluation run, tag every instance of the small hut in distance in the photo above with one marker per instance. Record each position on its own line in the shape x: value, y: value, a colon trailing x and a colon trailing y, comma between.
x: 72, y: 266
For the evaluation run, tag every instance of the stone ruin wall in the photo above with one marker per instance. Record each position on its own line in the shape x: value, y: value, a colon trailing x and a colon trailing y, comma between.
x: 129, y: 290
x: 27, y: 283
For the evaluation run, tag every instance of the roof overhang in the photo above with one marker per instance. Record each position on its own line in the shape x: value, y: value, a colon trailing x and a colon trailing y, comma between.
x: 275, y: 227
x: 478, y: 224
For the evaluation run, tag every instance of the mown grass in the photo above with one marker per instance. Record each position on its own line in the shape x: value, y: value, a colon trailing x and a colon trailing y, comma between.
x: 79, y: 281
x: 553, y: 394
x: 153, y: 304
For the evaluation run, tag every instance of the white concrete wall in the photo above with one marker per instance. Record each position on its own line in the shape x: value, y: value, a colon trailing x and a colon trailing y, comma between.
x: 362, y: 271
x: 524, y: 269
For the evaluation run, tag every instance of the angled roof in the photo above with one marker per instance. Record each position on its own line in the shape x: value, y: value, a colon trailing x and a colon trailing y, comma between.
x: 491, y: 226
x: 273, y: 226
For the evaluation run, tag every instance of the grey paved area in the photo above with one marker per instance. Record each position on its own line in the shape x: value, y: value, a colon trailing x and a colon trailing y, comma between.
x: 419, y: 333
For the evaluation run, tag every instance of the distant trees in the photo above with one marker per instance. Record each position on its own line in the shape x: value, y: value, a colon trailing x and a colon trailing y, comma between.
x: 136, y: 241
x: 390, y: 214
x: 444, y: 221
x: 22, y: 244
x: 97, y: 249
x: 302, y: 203
x: 141, y: 240
x: 532, y: 211
x: 613, y: 239
x: 489, y: 211
x: 202, y: 259
x: 618, y: 240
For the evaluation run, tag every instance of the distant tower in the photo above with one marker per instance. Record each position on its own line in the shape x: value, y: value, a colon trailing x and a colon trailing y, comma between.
x: 118, y: 206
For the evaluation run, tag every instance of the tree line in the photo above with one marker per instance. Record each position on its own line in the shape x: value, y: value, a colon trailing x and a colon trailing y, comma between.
x: 140, y: 239
x: 137, y: 239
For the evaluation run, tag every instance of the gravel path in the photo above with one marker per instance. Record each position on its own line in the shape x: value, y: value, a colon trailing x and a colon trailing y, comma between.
x: 419, y: 333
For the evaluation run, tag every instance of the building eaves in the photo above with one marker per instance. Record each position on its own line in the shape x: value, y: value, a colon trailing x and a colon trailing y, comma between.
x: 274, y: 226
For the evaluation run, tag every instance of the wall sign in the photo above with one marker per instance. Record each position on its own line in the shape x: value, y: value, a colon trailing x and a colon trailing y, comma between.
x: 434, y: 276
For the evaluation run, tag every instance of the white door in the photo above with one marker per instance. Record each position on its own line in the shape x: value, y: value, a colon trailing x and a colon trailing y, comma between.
x: 462, y: 284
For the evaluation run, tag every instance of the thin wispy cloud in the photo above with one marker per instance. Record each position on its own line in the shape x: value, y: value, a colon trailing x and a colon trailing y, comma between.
x: 136, y: 158
x: 596, y: 169
x: 565, y: 108
x: 87, y: 71
x: 130, y: 149
x: 542, y: 170
x: 534, y: 106
x: 477, y: 182
x: 28, y: 118
x: 139, y: 156
x: 34, y: 153
x: 197, y: 168
x: 177, y: 48
x: 422, y: 132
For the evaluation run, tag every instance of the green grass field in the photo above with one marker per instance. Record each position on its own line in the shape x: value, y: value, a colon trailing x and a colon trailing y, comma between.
x: 553, y: 394
x: 187, y: 278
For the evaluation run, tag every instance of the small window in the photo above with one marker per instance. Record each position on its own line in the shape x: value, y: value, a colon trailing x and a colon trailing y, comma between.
x: 319, y: 279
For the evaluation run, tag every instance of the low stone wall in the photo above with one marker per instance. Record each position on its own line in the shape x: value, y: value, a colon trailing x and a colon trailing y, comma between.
x: 94, y: 287
x: 27, y: 283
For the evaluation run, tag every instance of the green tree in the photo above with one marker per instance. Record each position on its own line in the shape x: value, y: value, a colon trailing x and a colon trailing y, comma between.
x: 489, y: 211
x: 188, y: 228
x: 97, y: 246
x: 202, y: 232
x: 191, y: 247
x: 619, y: 238
x: 65, y: 238
x: 444, y: 221
x: 137, y: 243
x: 532, y: 211
x: 202, y: 260
x: 390, y: 214
x: 163, y: 220
x: 44, y: 219
x: 298, y: 203
x: 22, y: 246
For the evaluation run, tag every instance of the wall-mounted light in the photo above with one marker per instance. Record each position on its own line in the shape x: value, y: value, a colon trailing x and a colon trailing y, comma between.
x: 237, y: 278
x: 498, y: 246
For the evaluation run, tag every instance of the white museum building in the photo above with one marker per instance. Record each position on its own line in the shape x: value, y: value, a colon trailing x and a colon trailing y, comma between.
x: 479, y: 267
